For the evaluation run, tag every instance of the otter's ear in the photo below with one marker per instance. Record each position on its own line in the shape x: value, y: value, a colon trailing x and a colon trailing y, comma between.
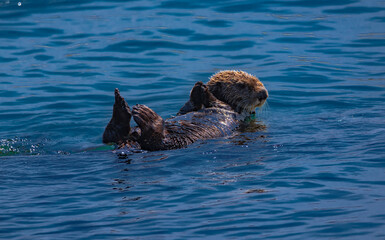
x: 216, y: 88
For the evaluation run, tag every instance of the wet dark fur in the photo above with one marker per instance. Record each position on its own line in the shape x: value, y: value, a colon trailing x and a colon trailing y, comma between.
x: 118, y: 129
x: 204, y: 116
x: 155, y: 133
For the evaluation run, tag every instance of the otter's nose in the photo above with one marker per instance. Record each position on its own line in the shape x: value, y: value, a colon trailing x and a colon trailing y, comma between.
x: 263, y: 94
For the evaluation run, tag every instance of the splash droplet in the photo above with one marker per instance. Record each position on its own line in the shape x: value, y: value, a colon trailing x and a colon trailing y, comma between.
x: 19, y: 4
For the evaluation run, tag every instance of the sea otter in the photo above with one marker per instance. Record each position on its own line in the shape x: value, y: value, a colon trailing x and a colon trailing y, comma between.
x: 213, y: 110
x: 243, y: 92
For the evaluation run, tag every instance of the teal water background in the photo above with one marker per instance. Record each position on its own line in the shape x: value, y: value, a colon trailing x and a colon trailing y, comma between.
x: 315, y: 172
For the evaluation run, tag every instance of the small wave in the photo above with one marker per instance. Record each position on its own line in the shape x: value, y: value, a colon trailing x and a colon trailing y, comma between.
x: 19, y: 146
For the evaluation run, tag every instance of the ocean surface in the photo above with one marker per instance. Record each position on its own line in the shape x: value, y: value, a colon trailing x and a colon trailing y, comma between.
x: 312, y: 166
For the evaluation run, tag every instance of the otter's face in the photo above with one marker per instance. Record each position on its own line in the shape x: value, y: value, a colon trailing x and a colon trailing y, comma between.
x: 252, y: 95
x: 243, y: 97
x: 259, y: 96
x: 242, y: 91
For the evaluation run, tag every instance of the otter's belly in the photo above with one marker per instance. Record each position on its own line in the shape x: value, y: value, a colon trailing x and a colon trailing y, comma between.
x: 221, y: 121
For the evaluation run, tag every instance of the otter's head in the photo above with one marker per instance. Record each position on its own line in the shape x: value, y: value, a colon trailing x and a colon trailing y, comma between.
x: 242, y: 91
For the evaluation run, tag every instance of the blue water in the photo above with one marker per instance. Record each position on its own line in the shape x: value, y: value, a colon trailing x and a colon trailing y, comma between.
x: 311, y: 167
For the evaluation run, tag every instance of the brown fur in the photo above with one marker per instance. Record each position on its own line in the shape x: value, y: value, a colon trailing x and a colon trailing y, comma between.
x: 212, y: 111
x: 200, y: 98
x: 242, y: 91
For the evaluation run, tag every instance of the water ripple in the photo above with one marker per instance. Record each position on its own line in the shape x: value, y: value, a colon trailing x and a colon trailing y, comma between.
x: 310, y: 167
x: 137, y: 46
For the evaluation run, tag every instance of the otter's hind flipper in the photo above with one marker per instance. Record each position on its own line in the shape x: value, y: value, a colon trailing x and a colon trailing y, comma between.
x: 200, y: 97
x: 118, y: 128
x: 151, y: 127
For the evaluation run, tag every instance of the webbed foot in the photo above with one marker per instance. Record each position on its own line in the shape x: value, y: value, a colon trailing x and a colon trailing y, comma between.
x: 118, y: 128
x: 151, y: 126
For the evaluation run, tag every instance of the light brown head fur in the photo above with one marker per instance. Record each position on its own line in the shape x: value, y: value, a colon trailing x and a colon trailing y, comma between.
x: 242, y: 91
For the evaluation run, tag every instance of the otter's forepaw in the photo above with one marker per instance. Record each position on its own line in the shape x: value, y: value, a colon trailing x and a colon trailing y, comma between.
x: 200, y: 95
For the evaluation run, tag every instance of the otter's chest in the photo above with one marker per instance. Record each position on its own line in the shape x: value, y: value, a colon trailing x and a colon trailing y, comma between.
x: 210, y: 118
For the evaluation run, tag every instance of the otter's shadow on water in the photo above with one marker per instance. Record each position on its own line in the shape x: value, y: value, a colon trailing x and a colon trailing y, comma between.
x: 248, y: 132
x: 252, y: 126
